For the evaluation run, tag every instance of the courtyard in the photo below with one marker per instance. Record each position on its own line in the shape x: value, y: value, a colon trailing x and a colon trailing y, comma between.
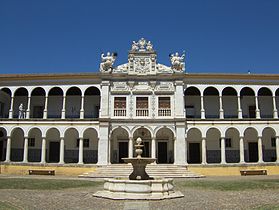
x: 58, y: 192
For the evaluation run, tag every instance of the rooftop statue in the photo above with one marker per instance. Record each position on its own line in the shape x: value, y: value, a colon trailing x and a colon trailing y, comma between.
x: 142, y: 46
x: 177, y: 62
x: 107, y: 62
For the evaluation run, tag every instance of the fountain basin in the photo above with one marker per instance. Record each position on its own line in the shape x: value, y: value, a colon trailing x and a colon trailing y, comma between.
x: 155, y: 189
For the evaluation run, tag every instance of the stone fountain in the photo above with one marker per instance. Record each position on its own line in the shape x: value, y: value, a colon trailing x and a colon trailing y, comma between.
x: 139, y: 186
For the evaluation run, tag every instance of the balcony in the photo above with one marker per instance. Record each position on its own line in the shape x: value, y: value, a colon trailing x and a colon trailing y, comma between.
x: 142, y: 112
x: 164, y: 112
x: 119, y: 112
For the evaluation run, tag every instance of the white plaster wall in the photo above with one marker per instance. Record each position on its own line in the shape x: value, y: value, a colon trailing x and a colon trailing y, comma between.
x: 73, y: 104
x: 234, y: 136
x: 230, y: 105
x: 247, y: 101
x: 70, y: 139
x: 93, y: 140
x: 38, y: 138
x: 266, y: 106
x: 212, y: 140
x: 55, y: 105
x: 266, y: 138
x: 211, y: 105
x: 17, y: 139
x: 194, y: 101
x: 37, y: 101
x: 194, y: 135
x: 6, y: 100
x: 90, y: 104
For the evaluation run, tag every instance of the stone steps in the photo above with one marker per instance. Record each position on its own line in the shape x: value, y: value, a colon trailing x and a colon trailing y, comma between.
x: 124, y: 170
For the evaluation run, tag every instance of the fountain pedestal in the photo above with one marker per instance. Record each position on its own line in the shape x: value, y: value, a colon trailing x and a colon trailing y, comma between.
x: 139, y: 165
x: 139, y: 186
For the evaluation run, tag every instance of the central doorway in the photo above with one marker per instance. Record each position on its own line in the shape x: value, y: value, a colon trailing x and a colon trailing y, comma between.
x: 253, y: 152
x: 123, y: 151
x: 162, y: 152
x: 54, y: 151
x: 194, y: 153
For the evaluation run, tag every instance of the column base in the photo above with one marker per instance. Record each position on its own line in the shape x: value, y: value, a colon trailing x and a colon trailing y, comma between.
x: 80, y: 163
x: 61, y: 163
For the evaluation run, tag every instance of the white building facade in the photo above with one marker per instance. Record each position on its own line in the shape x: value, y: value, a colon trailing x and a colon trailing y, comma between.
x: 94, y: 118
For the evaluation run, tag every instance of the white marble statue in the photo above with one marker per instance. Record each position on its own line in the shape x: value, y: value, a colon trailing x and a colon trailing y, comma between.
x: 107, y: 62
x: 142, y: 45
x: 149, y: 46
x: 21, y: 112
x: 177, y: 62
x: 135, y: 46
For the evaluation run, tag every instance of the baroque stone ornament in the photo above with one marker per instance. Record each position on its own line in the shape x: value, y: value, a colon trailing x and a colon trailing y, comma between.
x: 177, y: 62
x: 107, y: 62
x: 142, y: 60
x: 142, y: 45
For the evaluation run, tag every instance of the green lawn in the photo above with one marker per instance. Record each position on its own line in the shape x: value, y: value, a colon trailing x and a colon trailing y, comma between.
x: 229, y: 185
x: 7, y: 206
x: 45, y: 184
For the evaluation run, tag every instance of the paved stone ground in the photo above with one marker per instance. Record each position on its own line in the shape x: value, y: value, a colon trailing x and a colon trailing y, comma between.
x: 81, y: 198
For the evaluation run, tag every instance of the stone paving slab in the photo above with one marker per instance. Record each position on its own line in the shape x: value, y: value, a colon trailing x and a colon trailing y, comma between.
x: 82, y: 198
x: 136, y: 205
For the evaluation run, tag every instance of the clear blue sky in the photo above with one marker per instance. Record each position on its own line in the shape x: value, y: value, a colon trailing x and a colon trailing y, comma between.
x: 226, y: 36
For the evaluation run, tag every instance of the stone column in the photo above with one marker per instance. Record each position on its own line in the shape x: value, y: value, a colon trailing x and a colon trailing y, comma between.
x: 25, y: 151
x: 204, y: 150
x: 153, y: 148
x: 8, y: 150
x: 81, y: 115
x: 258, y: 116
x: 277, y: 149
x: 11, y: 108
x: 186, y: 151
x: 260, y: 149
x: 239, y: 109
x: 28, y: 108
x: 202, y: 108
x: 275, y: 112
x: 105, y: 86
x: 130, y: 147
x: 103, y: 147
x: 241, y: 150
x: 61, y: 155
x: 223, y: 150
x: 80, y: 152
x: 45, y: 109
x: 221, y: 110
x: 179, y: 144
x: 179, y: 105
x: 63, y: 111
x: 43, y: 151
